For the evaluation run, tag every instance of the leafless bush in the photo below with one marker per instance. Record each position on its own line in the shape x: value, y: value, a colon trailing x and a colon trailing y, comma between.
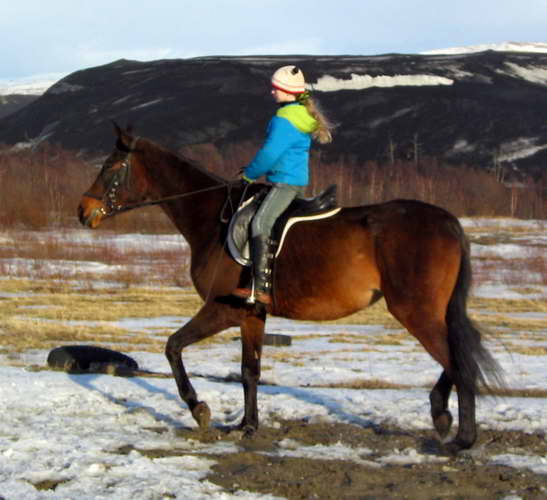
x: 463, y: 190
x: 41, y: 188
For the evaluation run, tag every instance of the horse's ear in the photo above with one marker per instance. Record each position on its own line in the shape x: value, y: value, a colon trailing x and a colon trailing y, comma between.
x: 117, y: 128
x: 124, y: 136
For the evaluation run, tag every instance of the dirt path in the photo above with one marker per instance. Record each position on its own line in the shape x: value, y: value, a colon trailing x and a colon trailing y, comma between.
x: 261, y: 466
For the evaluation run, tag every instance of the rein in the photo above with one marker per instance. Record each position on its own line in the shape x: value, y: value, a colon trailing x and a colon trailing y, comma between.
x: 159, y: 201
x: 121, y: 177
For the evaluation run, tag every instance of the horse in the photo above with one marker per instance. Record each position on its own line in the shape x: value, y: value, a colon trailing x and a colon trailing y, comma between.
x: 413, y: 254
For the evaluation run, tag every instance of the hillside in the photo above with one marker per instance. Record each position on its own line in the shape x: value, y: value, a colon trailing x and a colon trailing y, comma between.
x: 14, y: 102
x: 16, y: 94
x: 479, y: 108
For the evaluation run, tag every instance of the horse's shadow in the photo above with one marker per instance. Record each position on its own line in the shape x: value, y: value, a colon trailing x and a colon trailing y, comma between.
x: 87, y: 382
x: 333, y: 406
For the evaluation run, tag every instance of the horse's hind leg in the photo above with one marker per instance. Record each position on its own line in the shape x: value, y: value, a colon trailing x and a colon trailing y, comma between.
x: 252, y: 338
x: 211, y: 319
x: 442, y: 418
x: 433, y: 335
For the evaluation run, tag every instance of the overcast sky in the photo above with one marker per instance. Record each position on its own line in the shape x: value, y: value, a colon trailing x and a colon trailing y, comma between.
x: 62, y: 36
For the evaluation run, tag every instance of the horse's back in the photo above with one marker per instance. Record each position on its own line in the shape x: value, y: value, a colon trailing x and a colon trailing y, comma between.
x: 419, y: 248
x: 337, y: 266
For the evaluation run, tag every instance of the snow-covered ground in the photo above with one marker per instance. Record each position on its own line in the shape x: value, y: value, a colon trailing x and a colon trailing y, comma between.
x: 68, y: 428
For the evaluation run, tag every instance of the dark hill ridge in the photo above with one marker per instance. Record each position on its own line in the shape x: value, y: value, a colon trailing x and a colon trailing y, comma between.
x: 475, y: 107
x: 13, y: 102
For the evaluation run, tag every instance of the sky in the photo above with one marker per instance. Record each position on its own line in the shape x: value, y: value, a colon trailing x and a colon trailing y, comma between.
x: 67, y: 36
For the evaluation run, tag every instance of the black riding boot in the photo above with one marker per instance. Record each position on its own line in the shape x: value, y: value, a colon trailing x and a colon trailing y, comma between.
x: 262, y: 272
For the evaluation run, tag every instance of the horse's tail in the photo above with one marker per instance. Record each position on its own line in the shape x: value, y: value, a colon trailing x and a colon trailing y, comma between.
x: 471, y: 361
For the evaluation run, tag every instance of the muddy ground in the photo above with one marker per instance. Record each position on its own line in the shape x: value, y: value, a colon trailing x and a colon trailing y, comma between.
x: 259, y: 467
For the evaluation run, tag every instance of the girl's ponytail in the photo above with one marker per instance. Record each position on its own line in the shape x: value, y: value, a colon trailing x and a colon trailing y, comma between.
x: 323, y: 132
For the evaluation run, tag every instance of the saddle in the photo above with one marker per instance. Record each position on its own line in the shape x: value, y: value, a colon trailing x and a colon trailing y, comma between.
x: 300, y: 210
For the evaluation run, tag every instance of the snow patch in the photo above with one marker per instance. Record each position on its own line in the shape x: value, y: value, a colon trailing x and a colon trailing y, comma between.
x: 462, y: 146
x: 538, y: 465
x: 64, y: 87
x: 534, y: 74
x: 33, y: 142
x: 147, y: 104
x: 328, y: 83
x: 397, y: 114
x: 520, y: 148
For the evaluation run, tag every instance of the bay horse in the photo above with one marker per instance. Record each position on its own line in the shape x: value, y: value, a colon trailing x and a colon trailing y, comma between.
x: 412, y: 253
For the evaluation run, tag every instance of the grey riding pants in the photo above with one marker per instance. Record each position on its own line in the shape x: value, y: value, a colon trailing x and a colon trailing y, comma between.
x: 276, y: 201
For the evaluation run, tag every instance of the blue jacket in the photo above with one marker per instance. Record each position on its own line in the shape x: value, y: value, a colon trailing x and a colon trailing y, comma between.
x: 285, y: 153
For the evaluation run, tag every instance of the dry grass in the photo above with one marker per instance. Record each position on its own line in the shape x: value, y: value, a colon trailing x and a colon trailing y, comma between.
x: 35, y: 316
x: 42, y: 311
x: 383, y: 384
x: 38, y: 313
x: 54, y: 256
x: 18, y: 335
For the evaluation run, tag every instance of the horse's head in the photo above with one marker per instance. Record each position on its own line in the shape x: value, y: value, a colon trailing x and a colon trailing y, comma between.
x: 120, y: 182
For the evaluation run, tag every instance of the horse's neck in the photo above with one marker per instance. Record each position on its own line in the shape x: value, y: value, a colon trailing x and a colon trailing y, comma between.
x: 196, y: 215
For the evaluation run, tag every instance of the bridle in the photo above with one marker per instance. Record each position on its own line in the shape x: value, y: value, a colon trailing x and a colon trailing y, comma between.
x: 122, y: 177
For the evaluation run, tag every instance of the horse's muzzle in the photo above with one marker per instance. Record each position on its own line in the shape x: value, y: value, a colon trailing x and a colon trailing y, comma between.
x: 90, y: 214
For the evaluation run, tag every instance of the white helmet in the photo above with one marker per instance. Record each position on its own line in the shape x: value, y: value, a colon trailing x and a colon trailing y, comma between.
x: 289, y: 79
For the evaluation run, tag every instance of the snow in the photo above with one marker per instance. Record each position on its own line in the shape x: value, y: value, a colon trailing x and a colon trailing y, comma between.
x: 32, y: 85
x: 328, y: 83
x: 147, y: 104
x: 537, y: 465
x: 85, y: 431
x: 540, y: 47
x: 65, y: 87
x: 462, y: 146
x: 521, y: 148
x: 56, y: 426
x: 534, y: 74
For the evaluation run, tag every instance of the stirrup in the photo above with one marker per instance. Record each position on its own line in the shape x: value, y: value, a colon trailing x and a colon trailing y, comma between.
x: 263, y: 297
x: 242, y: 293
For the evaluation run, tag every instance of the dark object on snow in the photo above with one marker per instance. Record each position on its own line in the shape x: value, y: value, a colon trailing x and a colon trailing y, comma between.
x: 86, y: 358
x: 277, y: 339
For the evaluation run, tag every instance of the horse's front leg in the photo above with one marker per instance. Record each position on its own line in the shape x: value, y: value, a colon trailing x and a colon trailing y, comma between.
x: 211, y: 319
x: 252, y: 339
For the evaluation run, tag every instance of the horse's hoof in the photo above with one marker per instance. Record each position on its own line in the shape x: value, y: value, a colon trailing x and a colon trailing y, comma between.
x: 202, y: 415
x: 454, y: 447
x: 442, y: 423
x: 247, y: 430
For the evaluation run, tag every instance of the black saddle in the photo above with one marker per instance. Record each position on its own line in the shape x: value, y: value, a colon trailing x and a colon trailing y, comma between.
x: 301, y: 209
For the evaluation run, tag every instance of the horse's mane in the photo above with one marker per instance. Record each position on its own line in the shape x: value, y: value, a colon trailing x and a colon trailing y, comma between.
x: 182, y: 161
